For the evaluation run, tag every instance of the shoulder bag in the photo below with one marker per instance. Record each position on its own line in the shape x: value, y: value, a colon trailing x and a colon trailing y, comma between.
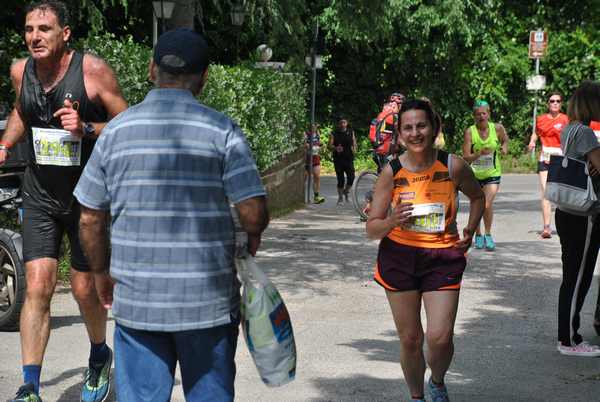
x: 569, y: 184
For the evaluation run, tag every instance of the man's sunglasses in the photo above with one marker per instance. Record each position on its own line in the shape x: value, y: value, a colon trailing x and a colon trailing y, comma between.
x: 554, y: 101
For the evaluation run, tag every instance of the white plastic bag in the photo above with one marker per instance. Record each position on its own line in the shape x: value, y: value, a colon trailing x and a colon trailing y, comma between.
x: 266, y: 325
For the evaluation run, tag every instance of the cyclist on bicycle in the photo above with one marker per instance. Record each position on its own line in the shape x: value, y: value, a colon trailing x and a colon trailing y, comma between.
x: 384, y: 128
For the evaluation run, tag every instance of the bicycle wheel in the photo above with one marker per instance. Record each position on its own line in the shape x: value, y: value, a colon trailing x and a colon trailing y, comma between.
x: 362, y: 193
x: 12, y: 280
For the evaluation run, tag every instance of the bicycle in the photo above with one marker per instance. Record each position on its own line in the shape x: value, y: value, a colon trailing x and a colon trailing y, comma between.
x: 364, y: 185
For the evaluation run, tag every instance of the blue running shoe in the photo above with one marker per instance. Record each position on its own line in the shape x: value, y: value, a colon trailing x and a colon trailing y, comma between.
x: 26, y: 394
x: 97, y: 381
x: 489, y: 243
x: 437, y: 393
x: 479, y: 241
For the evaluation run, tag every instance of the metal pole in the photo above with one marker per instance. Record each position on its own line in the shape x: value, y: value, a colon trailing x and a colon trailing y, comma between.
x: 154, y: 29
x: 312, y: 113
x: 535, y: 100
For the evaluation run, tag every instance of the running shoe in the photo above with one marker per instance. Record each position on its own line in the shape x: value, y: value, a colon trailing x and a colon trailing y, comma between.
x: 546, y: 233
x: 489, y: 243
x: 26, y: 394
x: 479, y: 243
x: 319, y: 199
x: 340, y: 201
x: 97, y: 381
x: 436, y: 392
x: 583, y: 349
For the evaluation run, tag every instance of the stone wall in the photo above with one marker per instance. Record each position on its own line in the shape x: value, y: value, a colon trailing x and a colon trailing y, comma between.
x: 285, y: 182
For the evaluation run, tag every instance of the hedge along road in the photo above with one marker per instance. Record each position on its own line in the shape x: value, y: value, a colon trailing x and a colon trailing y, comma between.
x: 322, y: 263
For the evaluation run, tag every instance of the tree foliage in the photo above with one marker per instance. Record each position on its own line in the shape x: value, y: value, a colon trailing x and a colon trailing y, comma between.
x: 452, y: 51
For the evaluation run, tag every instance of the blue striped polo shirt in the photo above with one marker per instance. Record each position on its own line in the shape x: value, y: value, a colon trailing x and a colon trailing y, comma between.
x: 168, y: 169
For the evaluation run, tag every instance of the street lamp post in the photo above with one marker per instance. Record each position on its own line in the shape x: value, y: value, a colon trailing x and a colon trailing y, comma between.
x: 238, y: 14
x: 315, y: 63
x: 163, y: 10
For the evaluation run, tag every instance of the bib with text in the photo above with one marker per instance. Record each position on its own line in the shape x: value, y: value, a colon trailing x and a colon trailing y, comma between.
x: 484, y: 162
x: 427, y: 218
x: 547, y: 152
x: 56, y: 147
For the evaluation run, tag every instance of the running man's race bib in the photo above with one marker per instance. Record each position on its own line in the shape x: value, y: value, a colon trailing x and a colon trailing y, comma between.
x: 56, y: 147
x: 597, y: 132
x: 484, y: 162
x: 547, y: 152
x: 427, y: 218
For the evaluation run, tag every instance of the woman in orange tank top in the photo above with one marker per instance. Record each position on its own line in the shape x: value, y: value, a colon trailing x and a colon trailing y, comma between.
x: 421, y: 255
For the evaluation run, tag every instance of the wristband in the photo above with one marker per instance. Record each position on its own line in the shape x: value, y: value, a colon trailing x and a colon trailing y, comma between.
x: 5, y: 145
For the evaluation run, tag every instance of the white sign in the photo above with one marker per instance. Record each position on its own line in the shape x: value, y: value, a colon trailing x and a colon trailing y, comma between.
x: 536, y: 82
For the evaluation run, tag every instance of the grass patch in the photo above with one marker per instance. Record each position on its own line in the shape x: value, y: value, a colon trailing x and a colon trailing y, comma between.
x: 521, y: 164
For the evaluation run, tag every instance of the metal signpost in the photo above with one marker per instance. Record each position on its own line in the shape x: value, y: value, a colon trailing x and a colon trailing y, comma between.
x: 538, y: 42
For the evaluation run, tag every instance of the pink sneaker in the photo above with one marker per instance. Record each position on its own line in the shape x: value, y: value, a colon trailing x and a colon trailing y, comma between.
x: 583, y: 349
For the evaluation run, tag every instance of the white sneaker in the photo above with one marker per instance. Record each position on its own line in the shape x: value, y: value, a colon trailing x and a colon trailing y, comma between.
x: 583, y: 349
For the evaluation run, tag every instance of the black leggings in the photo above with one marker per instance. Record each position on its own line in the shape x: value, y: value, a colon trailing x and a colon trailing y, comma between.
x: 579, y: 242
x: 344, y: 167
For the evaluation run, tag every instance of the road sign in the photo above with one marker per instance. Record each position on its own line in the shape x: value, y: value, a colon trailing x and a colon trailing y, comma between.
x: 536, y: 82
x: 538, y: 42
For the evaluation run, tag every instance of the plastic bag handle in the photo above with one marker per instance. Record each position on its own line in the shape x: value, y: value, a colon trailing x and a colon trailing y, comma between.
x: 249, y: 271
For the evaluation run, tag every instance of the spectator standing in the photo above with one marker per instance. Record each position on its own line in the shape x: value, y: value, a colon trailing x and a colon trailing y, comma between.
x: 63, y: 100
x: 165, y: 172
x: 343, y: 147
x: 595, y: 125
x: 579, y: 233
x: 547, y: 128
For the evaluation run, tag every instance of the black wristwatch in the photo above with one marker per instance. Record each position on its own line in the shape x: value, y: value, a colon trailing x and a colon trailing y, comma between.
x: 89, y: 131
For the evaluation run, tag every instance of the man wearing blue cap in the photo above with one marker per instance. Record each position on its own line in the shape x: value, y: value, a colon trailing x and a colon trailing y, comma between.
x: 165, y: 171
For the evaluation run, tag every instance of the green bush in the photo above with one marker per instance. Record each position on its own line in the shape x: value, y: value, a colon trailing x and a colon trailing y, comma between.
x: 270, y: 107
x: 128, y: 59
x: 11, y: 48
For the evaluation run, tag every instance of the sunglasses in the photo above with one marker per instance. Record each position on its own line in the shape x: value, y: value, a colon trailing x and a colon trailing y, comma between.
x: 554, y: 101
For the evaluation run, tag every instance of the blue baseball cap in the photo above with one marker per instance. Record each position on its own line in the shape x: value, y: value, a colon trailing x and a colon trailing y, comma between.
x: 181, y: 51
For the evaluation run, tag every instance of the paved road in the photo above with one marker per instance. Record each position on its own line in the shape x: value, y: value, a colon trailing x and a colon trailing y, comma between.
x: 348, y: 350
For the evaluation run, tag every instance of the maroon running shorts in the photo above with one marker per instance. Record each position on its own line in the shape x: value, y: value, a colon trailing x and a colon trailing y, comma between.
x: 401, y: 267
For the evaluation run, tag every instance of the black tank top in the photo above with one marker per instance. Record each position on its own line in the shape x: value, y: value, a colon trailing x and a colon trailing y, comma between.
x: 50, y: 186
x: 343, y: 138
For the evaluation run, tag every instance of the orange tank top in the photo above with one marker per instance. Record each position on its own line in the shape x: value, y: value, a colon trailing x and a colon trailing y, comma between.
x: 435, y: 201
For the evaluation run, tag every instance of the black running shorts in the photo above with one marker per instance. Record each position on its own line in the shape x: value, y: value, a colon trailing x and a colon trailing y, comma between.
x: 43, y: 232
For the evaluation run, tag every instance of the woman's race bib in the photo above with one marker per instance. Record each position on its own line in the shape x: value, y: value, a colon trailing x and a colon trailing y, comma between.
x: 56, y: 147
x: 315, y: 150
x: 547, y: 152
x: 427, y: 218
x: 484, y: 162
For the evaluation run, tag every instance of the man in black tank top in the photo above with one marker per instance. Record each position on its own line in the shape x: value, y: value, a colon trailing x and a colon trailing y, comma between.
x: 343, y: 146
x: 64, y: 99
